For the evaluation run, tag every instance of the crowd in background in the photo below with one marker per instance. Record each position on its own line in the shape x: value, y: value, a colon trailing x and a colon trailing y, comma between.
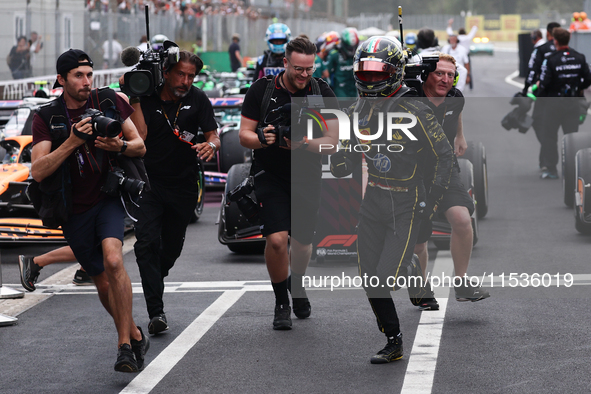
x: 193, y: 8
x: 22, y: 55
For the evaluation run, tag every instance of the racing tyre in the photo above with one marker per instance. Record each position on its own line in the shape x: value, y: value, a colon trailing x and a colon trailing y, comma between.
x: 201, y: 195
x: 571, y: 143
x: 477, y: 156
x: 231, y: 218
x: 582, y: 198
x: 231, y: 152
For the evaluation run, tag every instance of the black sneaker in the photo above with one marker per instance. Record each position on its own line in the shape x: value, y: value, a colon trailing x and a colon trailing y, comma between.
x: 428, y: 304
x: 301, y: 308
x: 301, y: 305
x: 140, y: 348
x: 469, y: 292
x: 391, y: 352
x: 157, y: 324
x: 81, y: 278
x: 125, y: 359
x: 282, y: 320
x: 29, y: 272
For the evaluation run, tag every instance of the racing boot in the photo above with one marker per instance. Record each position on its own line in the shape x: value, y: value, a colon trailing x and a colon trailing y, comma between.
x: 391, y: 352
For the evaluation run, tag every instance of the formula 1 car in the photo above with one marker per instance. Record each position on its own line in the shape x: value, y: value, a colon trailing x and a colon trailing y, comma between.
x: 476, y: 154
x: 14, y: 179
x: 582, y: 197
x: 234, y: 230
x: 571, y: 144
x: 227, y: 113
x: 14, y: 174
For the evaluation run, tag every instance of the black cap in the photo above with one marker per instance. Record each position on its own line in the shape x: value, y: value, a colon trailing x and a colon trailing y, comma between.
x: 69, y: 60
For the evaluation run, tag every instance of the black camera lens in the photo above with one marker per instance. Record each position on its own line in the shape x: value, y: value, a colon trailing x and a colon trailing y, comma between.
x: 132, y: 186
x: 106, y: 127
x: 139, y: 82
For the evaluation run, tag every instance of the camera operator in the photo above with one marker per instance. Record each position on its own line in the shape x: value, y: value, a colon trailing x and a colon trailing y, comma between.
x: 447, y: 102
x: 278, y: 187
x: 65, y: 148
x: 396, y: 198
x: 167, y: 120
x: 564, y: 76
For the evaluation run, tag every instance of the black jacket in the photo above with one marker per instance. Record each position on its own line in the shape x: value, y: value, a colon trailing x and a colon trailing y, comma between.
x: 564, y: 73
x: 534, y: 65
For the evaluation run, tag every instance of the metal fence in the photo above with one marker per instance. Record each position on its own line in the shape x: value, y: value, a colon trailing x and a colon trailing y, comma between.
x: 89, y: 30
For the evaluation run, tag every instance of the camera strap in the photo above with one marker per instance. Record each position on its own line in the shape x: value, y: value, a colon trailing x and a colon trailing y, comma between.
x: 94, y: 164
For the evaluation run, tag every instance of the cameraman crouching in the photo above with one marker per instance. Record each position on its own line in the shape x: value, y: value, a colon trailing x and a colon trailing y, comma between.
x: 275, y: 189
x: 168, y: 120
x: 66, y: 149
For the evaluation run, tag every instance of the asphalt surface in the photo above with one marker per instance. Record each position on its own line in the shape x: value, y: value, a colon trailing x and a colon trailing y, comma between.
x: 219, y: 305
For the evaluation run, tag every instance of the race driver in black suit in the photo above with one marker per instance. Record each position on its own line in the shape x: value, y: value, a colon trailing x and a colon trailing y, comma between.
x: 396, y: 198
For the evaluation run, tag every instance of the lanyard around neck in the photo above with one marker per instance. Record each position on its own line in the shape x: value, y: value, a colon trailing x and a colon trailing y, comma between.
x: 173, y: 125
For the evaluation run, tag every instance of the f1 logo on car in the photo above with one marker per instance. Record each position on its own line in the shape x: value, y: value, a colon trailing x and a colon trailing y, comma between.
x: 345, y: 240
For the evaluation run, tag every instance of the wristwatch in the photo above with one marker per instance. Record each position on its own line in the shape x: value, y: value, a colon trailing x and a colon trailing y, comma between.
x: 123, y: 147
x: 212, y: 146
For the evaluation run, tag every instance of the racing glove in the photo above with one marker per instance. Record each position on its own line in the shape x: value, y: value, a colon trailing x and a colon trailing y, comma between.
x: 428, y: 207
x: 340, y: 165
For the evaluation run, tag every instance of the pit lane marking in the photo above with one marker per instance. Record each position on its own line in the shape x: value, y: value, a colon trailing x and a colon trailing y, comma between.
x: 422, y: 362
x: 509, y: 80
x: 159, y: 367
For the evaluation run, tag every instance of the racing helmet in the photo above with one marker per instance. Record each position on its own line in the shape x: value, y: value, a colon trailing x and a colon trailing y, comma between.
x: 576, y: 16
x: 378, y: 66
x: 157, y: 41
x: 410, y: 40
x: 277, y: 31
x: 349, y: 40
x: 331, y: 40
x: 320, y: 41
x: 583, y: 15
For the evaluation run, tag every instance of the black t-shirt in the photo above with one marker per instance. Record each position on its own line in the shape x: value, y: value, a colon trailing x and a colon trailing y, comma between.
x: 278, y: 160
x: 234, y: 63
x: 170, y: 161
x: 448, y: 112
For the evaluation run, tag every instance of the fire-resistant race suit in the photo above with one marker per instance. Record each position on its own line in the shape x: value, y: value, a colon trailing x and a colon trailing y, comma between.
x: 396, y: 197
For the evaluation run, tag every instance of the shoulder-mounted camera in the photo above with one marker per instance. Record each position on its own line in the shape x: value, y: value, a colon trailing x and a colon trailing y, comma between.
x: 147, y: 75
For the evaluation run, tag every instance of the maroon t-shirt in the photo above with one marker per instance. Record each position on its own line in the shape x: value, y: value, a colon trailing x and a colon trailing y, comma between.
x: 86, y: 182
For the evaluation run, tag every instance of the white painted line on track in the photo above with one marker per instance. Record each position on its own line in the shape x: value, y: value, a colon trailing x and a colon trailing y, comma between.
x: 169, y: 357
x: 509, y: 80
x: 420, y: 371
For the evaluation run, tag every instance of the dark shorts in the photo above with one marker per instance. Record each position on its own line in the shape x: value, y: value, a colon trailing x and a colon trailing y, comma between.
x: 287, y: 207
x: 86, y: 231
x: 456, y: 195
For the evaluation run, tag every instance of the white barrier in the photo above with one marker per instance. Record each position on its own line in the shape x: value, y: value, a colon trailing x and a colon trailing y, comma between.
x: 5, y: 293
x: 17, y: 89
